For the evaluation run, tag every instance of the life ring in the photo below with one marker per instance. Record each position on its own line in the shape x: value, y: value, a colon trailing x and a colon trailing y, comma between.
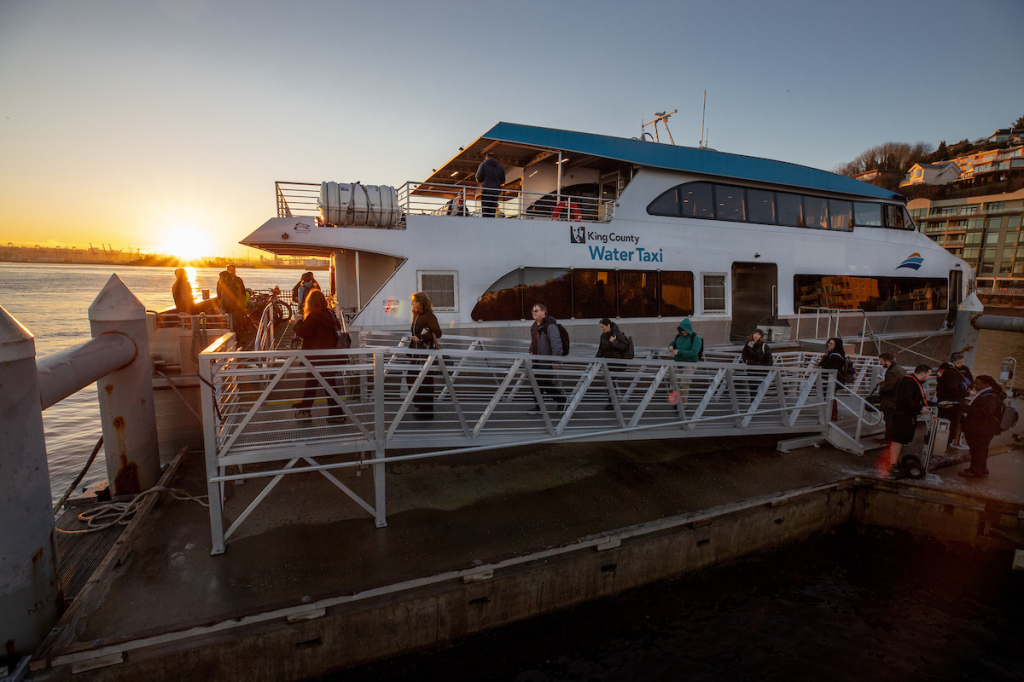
x: 560, y: 208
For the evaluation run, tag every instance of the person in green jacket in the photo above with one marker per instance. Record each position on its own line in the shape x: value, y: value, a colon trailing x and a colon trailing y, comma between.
x: 687, y: 346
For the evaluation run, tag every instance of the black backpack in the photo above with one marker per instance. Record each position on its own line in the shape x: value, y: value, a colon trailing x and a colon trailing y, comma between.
x: 700, y: 353
x: 1008, y: 417
x: 849, y: 372
x: 629, y: 353
x: 564, y: 335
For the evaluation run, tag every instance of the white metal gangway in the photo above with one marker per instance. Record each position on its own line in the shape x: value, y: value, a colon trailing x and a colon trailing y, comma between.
x: 476, y: 400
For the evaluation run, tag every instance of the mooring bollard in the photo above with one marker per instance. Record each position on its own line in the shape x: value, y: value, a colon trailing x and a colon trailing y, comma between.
x: 30, y: 594
x: 126, y: 395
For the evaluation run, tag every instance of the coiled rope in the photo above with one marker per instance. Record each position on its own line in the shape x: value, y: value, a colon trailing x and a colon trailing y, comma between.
x: 121, y: 513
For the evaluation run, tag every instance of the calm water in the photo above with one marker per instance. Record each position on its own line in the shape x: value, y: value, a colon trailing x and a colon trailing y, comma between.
x: 52, y: 301
x: 857, y: 604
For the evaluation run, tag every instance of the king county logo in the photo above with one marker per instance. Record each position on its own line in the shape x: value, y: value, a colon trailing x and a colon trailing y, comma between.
x: 913, y: 262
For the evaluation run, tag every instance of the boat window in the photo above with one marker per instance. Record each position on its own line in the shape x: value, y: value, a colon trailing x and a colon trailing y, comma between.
x: 666, y: 204
x: 503, y: 300
x: 729, y: 203
x: 695, y: 200
x: 908, y: 222
x: 761, y: 206
x: 791, y: 210
x: 866, y: 214
x: 840, y: 215
x: 816, y: 212
x: 893, y: 216
x: 594, y: 293
x: 870, y: 293
x: 638, y: 293
x: 587, y: 294
x: 676, y: 293
x: 552, y: 287
x: 714, y: 293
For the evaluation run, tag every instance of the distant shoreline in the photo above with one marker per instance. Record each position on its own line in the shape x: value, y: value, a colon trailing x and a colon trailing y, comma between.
x: 166, y: 263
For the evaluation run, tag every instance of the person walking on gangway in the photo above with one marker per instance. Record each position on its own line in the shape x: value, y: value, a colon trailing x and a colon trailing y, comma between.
x: 613, y: 344
x: 545, y: 340
x: 425, y: 332
x: 491, y: 177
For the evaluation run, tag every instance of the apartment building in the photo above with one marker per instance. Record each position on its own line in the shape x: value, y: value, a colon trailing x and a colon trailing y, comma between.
x: 985, y: 231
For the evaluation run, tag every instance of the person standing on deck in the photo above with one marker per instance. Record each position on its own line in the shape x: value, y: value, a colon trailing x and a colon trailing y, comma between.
x: 982, y: 423
x: 230, y: 299
x: 491, y: 177
x: 887, y: 399
x: 239, y: 284
x: 954, y: 386
x: 910, y: 402
x: 545, y: 340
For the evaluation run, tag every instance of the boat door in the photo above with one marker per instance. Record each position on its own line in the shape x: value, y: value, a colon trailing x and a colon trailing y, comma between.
x: 755, y: 289
x: 956, y: 295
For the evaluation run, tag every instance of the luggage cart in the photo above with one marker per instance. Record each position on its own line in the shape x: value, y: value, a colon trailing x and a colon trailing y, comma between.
x: 930, y: 440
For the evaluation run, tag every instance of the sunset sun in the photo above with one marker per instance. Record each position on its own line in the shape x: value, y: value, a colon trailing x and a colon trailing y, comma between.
x: 186, y: 242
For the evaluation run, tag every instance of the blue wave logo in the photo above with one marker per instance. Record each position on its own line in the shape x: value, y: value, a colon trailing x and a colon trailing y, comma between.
x: 913, y: 262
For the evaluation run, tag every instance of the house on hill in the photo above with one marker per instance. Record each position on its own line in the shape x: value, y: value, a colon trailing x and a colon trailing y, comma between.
x: 941, y: 173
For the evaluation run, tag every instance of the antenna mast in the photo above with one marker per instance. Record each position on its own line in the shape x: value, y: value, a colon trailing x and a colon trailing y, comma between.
x: 703, y: 109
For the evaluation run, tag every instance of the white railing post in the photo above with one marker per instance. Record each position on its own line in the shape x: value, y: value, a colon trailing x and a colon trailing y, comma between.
x: 30, y: 594
x: 380, y: 440
x: 211, y: 425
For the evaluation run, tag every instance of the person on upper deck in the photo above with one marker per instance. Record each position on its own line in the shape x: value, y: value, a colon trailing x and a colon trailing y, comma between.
x: 491, y: 177
x: 687, y: 346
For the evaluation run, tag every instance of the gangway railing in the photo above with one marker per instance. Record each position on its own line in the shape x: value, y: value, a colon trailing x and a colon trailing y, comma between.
x: 833, y: 317
x: 470, y: 401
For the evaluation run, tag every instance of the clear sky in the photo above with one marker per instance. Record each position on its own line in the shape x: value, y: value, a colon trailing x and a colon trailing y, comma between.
x: 164, y: 124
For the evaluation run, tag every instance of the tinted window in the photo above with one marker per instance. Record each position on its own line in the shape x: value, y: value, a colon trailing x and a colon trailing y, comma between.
x: 729, y: 203
x: 638, y: 294
x: 867, y: 215
x: 503, y: 300
x: 760, y: 206
x: 840, y: 214
x: 676, y: 294
x: 894, y: 216
x: 593, y: 293
x: 870, y: 293
x: 790, y: 209
x: 551, y: 287
x: 666, y: 204
x: 695, y: 200
x: 816, y: 212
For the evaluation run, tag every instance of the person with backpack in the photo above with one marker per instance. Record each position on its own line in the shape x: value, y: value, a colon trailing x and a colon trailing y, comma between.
x: 911, y: 401
x: 613, y: 344
x: 318, y: 330
x: 953, y: 387
x: 982, y: 422
x: 687, y: 346
x: 756, y: 351
x: 301, y: 290
x: 546, y: 339
x: 834, y: 358
x: 425, y: 332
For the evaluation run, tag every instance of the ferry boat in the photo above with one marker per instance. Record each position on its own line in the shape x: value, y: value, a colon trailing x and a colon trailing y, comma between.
x: 641, y: 232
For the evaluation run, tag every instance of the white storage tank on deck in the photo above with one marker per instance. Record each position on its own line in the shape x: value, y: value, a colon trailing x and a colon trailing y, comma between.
x: 356, y: 204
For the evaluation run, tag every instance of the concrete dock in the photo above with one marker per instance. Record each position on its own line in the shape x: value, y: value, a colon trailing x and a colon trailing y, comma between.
x: 473, y: 542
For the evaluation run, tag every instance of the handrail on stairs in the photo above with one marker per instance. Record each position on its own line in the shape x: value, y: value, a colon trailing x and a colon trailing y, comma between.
x: 862, y: 419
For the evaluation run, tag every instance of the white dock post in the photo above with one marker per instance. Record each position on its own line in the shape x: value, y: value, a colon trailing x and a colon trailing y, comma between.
x: 30, y: 595
x: 965, y: 334
x: 127, y: 411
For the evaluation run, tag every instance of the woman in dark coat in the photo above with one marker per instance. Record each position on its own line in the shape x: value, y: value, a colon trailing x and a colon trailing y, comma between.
x: 425, y: 332
x: 612, y: 345
x: 834, y: 358
x: 981, y: 423
x: 910, y: 402
x: 318, y: 330
x: 756, y: 351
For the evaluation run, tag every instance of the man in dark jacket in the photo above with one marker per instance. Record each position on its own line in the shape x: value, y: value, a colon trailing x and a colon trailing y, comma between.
x: 887, y: 395
x: 612, y: 345
x: 545, y: 340
x: 491, y: 177
x: 954, y: 386
x: 910, y: 402
x: 981, y: 423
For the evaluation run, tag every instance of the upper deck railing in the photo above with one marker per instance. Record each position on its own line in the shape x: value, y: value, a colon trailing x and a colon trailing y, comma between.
x: 418, y: 198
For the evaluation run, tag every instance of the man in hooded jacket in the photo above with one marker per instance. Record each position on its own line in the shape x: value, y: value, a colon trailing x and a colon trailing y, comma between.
x: 687, y: 346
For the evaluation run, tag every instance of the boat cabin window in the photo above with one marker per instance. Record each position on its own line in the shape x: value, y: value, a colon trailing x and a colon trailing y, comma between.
x: 717, y: 201
x: 866, y: 214
x: 582, y: 293
x: 870, y: 293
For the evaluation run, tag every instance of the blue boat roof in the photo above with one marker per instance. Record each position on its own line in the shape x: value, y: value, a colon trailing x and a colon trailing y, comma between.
x: 688, y: 159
